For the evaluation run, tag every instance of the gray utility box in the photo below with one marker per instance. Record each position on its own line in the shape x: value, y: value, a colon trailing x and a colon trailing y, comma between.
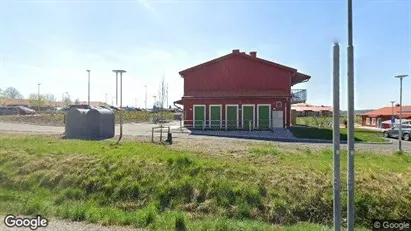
x: 96, y: 123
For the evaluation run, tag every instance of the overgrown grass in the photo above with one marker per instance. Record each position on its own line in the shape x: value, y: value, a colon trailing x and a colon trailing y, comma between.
x: 57, y: 119
x: 361, y: 135
x: 322, y: 121
x: 150, y: 186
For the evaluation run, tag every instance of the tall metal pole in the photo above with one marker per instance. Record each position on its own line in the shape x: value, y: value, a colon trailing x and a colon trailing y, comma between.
x: 116, y: 88
x: 145, y: 97
x: 350, y: 121
x: 400, y: 130
x: 121, y: 100
x: 336, y: 138
x: 38, y: 97
x: 88, y: 101
x: 392, y: 112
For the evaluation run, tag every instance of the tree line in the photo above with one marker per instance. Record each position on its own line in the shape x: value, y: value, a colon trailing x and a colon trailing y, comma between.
x: 34, y: 99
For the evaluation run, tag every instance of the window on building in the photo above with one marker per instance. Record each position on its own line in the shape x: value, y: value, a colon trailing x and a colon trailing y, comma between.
x: 278, y: 104
x: 367, y: 121
x: 373, y: 121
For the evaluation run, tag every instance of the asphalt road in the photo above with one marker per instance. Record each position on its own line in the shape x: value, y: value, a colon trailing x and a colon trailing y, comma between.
x: 145, y: 129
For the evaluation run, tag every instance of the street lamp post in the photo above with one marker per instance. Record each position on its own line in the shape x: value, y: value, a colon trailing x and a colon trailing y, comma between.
x: 350, y: 121
x: 38, y: 96
x: 392, y: 113
x: 88, y: 87
x: 121, y: 100
x: 62, y: 98
x: 400, y: 130
x: 145, y: 97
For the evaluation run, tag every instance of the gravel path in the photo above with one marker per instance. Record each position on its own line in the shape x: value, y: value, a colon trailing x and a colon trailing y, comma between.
x: 144, y: 130
x: 65, y: 225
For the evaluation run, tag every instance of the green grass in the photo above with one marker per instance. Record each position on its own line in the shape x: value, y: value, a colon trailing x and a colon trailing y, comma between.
x: 360, y: 135
x: 159, y: 188
x: 322, y: 121
x: 57, y: 119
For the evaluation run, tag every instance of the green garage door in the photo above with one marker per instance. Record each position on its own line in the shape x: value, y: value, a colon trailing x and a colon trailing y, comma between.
x: 263, y: 117
x: 231, y: 116
x: 248, y: 115
x: 215, y: 116
x: 199, y: 112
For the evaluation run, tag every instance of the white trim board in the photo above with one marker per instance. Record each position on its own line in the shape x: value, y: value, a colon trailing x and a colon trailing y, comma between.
x: 258, y: 114
x: 194, y: 112
x: 242, y: 114
x: 221, y: 114
x: 225, y: 118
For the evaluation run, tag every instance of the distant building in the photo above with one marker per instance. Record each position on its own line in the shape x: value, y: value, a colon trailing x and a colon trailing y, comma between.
x: 26, y: 103
x: 381, y: 118
x: 304, y: 109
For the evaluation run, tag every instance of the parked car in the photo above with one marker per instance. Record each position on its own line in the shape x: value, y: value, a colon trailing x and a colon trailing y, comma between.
x: 16, y: 110
x: 394, y: 132
x: 25, y: 111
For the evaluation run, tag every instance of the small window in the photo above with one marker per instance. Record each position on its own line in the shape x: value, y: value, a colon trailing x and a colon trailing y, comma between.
x: 278, y: 104
x: 367, y: 121
x: 373, y: 121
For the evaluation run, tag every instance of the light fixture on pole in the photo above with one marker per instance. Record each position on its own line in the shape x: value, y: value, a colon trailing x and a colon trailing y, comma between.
x: 88, y: 101
x: 401, y: 77
x: 121, y: 100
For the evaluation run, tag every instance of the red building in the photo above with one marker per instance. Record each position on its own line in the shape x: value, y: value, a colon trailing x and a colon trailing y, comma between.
x: 377, y: 117
x: 238, y: 90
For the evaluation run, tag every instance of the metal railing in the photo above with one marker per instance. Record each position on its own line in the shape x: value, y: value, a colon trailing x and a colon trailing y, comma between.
x: 249, y: 125
x: 298, y: 96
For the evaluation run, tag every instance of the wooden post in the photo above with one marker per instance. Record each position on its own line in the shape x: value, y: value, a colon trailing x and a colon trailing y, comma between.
x: 152, y: 135
x: 161, y: 133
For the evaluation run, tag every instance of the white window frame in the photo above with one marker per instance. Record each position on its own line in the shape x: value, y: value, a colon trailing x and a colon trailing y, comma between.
x: 194, y: 112
x: 367, y: 121
x: 242, y: 114
x: 221, y: 114
x: 225, y: 118
x: 258, y: 114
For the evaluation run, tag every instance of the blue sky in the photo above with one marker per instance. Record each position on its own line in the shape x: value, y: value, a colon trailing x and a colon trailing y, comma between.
x: 54, y: 42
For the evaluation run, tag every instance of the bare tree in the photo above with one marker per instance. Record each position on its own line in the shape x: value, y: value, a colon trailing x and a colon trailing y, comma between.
x: 36, y: 100
x: 67, y: 100
x: 162, y: 97
x: 77, y: 101
x: 12, y: 93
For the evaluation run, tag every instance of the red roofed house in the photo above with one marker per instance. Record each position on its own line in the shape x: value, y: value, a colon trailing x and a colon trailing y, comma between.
x: 238, y: 90
x: 377, y: 117
x: 304, y: 109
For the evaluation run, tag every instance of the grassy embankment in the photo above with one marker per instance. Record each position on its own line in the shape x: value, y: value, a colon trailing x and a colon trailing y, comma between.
x: 162, y: 188
x: 360, y: 135
x: 57, y: 119
x: 322, y: 121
